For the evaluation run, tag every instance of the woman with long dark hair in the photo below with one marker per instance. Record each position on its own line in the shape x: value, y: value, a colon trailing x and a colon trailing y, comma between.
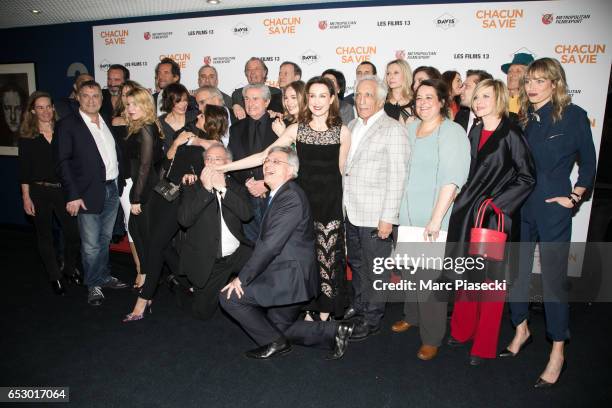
x: 42, y: 191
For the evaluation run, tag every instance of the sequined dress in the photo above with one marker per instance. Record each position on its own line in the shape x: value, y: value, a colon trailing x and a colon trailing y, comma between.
x: 321, y: 180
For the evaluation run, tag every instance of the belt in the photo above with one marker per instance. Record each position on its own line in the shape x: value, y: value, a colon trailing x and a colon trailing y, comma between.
x: 46, y: 184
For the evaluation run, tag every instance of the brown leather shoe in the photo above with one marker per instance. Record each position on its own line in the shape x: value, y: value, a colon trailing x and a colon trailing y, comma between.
x: 427, y: 352
x: 400, y: 326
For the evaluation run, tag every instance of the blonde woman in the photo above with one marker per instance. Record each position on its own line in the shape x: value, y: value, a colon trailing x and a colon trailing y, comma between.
x: 398, y: 78
x: 144, y: 147
x: 558, y: 133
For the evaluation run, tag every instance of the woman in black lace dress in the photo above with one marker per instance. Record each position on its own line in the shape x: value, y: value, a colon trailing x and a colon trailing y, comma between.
x: 322, y: 144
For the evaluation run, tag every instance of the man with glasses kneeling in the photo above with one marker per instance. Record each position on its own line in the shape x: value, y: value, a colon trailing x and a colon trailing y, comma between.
x: 281, y: 276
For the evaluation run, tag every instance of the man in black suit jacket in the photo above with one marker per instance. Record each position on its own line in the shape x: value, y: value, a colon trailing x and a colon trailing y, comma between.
x: 87, y: 158
x: 168, y: 72
x: 256, y: 73
x: 212, y: 210
x: 249, y: 136
x: 281, y: 276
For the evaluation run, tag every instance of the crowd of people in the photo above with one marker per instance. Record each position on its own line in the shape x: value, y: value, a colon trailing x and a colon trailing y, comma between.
x: 262, y: 200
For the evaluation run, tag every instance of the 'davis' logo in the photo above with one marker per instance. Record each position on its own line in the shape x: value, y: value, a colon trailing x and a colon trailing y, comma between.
x: 241, y: 29
x: 104, y: 65
x: 547, y: 18
x: 446, y: 21
x: 322, y: 25
x: 310, y: 57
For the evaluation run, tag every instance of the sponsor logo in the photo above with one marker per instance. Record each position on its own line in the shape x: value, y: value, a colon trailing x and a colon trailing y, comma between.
x: 207, y: 60
x: 499, y: 18
x: 446, y: 21
x: 414, y: 55
x: 241, y: 30
x: 114, y: 37
x: 270, y: 59
x: 355, y: 54
x: 281, y: 25
x: 136, y: 64
x: 393, y: 23
x: 548, y: 19
x: 336, y: 25
x: 104, y: 65
x: 156, y: 36
x: 310, y: 57
x: 579, y: 53
x: 192, y: 33
x: 181, y: 58
x: 471, y: 56
x: 222, y: 60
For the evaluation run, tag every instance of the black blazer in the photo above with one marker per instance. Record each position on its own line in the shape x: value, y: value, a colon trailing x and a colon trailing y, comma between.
x: 503, y: 170
x: 199, y: 213
x: 283, y: 267
x: 462, y: 117
x: 239, y: 146
x: 79, y: 164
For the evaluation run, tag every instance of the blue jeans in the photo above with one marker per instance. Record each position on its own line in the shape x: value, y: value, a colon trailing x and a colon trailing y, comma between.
x: 96, y: 232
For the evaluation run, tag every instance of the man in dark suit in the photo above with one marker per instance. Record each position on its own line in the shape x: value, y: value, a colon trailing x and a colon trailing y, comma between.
x: 68, y: 105
x: 208, y: 76
x: 256, y: 73
x: 87, y: 163
x: 248, y: 136
x: 168, y: 72
x: 212, y: 210
x: 116, y: 75
x: 465, y: 117
x: 282, y: 275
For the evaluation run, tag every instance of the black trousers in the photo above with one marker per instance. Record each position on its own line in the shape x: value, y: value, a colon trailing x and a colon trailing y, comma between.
x: 48, y: 201
x: 266, y: 325
x: 163, y: 226
x: 206, y: 298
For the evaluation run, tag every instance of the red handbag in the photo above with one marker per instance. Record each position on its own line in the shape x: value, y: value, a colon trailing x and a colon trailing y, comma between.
x: 485, y: 242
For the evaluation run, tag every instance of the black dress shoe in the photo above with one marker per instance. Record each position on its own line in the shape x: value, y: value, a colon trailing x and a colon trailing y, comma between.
x: 508, y: 353
x: 115, y: 283
x: 453, y: 342
x: 345, y: 329
x: 475, y: 360
x: 276, y: 348
x: 545, y: 384
x: 363, y: 330
x: 75, y: 279
x: 58, y: 287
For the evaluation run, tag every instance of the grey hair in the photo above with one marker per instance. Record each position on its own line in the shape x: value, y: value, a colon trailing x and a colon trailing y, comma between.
x: 208, y: 66
x: 292, y: 157
x: 262, y: 87
x: 213, y: 91
x: 227, y: 151
x: 381, y: 87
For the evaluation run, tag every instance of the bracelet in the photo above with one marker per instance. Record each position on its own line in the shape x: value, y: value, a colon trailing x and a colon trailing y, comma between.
x: 574, y: 202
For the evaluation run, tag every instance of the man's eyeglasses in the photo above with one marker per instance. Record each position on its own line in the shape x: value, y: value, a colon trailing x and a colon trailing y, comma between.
x: 274, y: 161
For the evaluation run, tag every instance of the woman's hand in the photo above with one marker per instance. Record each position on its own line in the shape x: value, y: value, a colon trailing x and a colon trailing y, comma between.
x: 28, y: 206
x: 432, y: 231
x: 183, y: 138
x: 278, y: 126
x: 562, y: 201
x: 135, y: 209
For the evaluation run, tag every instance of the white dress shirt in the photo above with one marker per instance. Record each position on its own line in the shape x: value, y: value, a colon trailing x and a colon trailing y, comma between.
x: 105, y: 142
x: 229, y: 243
x: 360, y: 130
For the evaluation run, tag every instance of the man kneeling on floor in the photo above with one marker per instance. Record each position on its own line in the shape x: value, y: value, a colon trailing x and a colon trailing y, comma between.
x: 281, y: 276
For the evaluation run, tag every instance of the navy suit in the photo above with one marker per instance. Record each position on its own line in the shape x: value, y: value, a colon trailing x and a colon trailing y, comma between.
x: 555, y: 147
x: 281, y: 276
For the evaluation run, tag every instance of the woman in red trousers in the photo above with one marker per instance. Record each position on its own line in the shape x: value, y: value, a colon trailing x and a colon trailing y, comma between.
x: 501, y: 169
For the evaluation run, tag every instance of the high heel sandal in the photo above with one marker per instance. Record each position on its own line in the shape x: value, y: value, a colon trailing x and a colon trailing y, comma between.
x: 132, y: 317
x: 545, y: 384
x: 508, y: 353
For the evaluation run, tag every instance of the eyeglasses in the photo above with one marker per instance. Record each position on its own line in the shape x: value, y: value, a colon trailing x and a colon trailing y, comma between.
x: 275, y: 161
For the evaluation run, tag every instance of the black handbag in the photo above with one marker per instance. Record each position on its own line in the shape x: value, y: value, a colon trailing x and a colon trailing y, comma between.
x: 167, y: 189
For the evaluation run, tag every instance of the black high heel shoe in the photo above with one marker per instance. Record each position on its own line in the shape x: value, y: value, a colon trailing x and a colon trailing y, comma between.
x: 545, y: 384
x: 508, y: 353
